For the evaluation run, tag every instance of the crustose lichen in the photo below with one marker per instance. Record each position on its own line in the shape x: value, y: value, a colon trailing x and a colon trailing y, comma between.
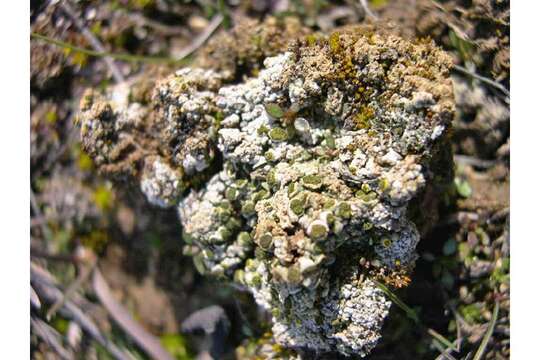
x: 294, y: 183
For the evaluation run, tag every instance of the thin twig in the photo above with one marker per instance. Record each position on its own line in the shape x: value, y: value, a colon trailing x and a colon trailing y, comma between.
x: 365, y: 6
x: 163, y: 29
x: 483, y: 79
x: 84, y: 275
x: 470, y: 160
x: 34, y: 252
x: 118, y: 56
x: 96, y: 44
x: 34, y: 299
x: 201, y: 39
x: 144, y: 339
x: 51, y: 337
x: 45, y: 285
x: 489, y: 333
x: 46, y: 232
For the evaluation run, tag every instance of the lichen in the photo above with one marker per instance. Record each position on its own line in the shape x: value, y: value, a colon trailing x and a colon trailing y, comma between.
x: 294, y: 183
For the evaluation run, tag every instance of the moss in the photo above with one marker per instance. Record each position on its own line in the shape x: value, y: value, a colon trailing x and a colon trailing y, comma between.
x: 363, y: 118
x: 311, y: 40
x: 334, y: 43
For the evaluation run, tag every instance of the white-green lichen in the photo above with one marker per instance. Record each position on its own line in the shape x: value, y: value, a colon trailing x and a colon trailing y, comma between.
x: 288, y: 181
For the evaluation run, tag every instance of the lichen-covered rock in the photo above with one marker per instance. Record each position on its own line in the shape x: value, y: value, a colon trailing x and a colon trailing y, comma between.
x: 296, y: 183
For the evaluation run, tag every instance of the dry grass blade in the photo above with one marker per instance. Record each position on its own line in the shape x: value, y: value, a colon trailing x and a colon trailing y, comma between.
x: 122, y: 317
x: 45, y: 285
x: 123, y: 57
x: 486, y: 80
x: 201, y: 39
x: 410, y: 312
x: 96, y: 44
x: 489, y: 333
x: 438, y: 338
x: 365, y: 6
x: 441, y: 339
x: 51, y: 337
x: 83, y: 276
x: 34, y: 299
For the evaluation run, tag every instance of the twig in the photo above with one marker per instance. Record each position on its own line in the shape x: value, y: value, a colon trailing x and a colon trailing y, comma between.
x: 118, y: 56
x: 410, y: 312
x: 144, y: 339
x: 365, y: 6
x: 201, y: 39
x: 37, y: 212
x: 163, y: 29
x: 489, y: 332
x: 50, y: 336
x: 470, y: 160
x: 53, y: 257
x: 441, y: 339
x: 45, y: 285
x: 84, y: 275
x: 483, y: 79
x: 438, y: 338
x: 96, y: 44
x: 34, y: 299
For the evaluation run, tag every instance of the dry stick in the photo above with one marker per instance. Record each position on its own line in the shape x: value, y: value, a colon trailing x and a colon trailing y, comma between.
x: 365, y: 6
x: 489, y: 333
x: 46, y: 232
x: 471, y: 160
x: 34, y: 299
x: 198, y: 42
x: 50, y: 336
x: 201, y: 39
x: 45, y: 285
x: 163, y: 29
x: 84, y: 275
x: 96, y: 44
x: 145, y: 340
x: 483, y: 79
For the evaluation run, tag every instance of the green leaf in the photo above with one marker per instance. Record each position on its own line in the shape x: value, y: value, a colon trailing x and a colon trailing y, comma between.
x: 462, y: 187
x: 274, y: 110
